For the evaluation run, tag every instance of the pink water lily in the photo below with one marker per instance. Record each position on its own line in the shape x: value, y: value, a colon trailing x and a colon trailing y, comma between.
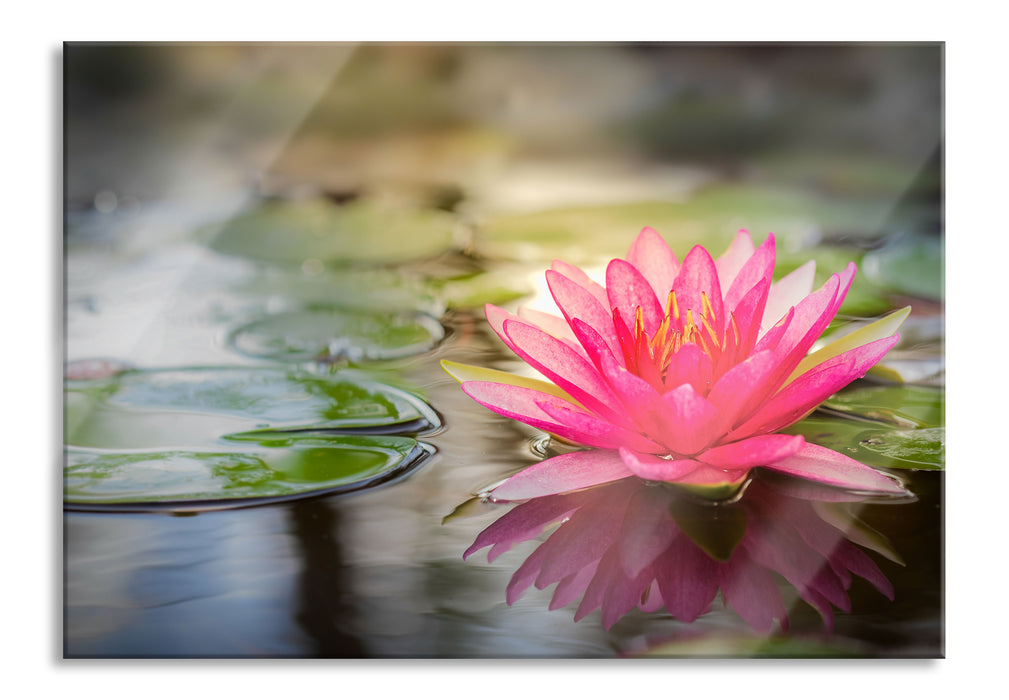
x: 681, y: 372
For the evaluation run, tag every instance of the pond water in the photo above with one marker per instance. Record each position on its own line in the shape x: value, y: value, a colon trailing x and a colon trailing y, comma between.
x: 265, y: 458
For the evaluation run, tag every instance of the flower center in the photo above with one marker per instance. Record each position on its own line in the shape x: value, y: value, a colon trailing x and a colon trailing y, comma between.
x: 651, y: 356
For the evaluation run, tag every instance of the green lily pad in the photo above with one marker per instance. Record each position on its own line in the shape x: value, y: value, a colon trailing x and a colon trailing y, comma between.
x: 361, y: 231
x: 901, y: 406
x: 490, y: 287
x: 586, y: 235
x: 361, y: 289
x: 921, y: 449
x: 876, y: 445
x: 185, y: 480
x: 325, y: 335
x: 194, y: 407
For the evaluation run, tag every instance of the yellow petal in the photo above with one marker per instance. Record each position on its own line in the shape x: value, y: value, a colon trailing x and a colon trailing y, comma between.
x: 876, y: 330
x: 472, y: 373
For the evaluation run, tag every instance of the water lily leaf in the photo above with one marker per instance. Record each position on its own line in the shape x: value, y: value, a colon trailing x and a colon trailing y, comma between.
x: 195, y: 407
x: 716, y: 529
x: 876, y: 445
x: 337, y: 334
x: 489, y: 287
x: 360, y: 231
x: 920, y: 449
x: 371, y: 289
x: 583, y: 235
x: 902, y: 406
x: 198, y: 480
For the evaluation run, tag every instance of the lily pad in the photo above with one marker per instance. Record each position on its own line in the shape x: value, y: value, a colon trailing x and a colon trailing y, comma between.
x: 921, y: 449
x: 901, y: 406
x: 713, y: 216
x: 184, y: 480
x: 877, y: 446
x: 326, y: 335
x: 195, y: 407
x: 361, y: 231
x: 361, y: 289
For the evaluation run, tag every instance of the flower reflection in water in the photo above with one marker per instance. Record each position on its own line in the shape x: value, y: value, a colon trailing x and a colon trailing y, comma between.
x: 631, y: 544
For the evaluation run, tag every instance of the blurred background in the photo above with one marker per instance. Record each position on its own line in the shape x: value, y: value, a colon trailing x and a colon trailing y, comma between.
x: 488, y: 129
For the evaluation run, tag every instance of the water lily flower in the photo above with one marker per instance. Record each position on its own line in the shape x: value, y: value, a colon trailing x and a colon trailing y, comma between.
x: 627, y: 544
x: 680, y: 372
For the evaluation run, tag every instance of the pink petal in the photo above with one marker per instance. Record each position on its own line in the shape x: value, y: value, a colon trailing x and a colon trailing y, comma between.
x: 731, y: 261
x: 698, y: 274
x: 787, y: 292
x: 754, y: 452
x: 603, y: 433
x: 578, y: 276
x: 653, y: 468
x: 554, y: 325
x: 690, y: 365
x: 641, y: 402
x: 692, y: 420
x: 566, y: 368
x: 747, y: 314
x: 808, y: 321
x: 652, y: 256
x: 808, y: 391
x: 829, y: 467
x: 576, y: 302
x: 628, y: 291
x: 758, y: 268
x: 746, y: 384
x: 526, y: 405
x: 563, y: 473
